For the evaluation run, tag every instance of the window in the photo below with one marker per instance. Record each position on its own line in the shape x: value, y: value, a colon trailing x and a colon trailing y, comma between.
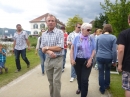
x: 35, y: 26
x: 35, y: 32
x: 42, y: 26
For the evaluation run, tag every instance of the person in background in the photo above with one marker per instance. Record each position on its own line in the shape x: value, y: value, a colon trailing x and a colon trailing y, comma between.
x: 98, y: 32
x: 19, y: 47
x: 39, y: 50
x: 65, y: 47
x: 123, y: 42
x: 82, y: 53
x: 53, y: 46
x: 2, y: 59
x: 93, y: 36
x: 70, y: 39
x: 106, y: 53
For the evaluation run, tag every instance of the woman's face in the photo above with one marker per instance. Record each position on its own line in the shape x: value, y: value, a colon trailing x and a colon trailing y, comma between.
x: 86, y: 32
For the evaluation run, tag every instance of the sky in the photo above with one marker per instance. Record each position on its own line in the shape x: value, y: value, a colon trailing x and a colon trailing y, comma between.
x: 14, y: 12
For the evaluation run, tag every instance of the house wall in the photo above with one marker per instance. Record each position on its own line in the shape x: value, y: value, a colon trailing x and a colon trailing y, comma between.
x: 39, y: 29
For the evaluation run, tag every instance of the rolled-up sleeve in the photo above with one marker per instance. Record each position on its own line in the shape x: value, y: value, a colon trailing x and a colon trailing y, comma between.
x: 60, y: 39
x: 26, y: 35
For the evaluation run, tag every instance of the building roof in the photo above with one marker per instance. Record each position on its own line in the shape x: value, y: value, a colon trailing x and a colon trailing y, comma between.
x: 42, y: 18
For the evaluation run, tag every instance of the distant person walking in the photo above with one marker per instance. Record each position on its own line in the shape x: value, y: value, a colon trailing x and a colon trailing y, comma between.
x: 70, y: 39
x: 105, y: 54
x: 82, y: 53
x: 123, y: 42
x: 65, y: 46
x: 39, y: 50
x: 53, y: 45
x: 19, y: 47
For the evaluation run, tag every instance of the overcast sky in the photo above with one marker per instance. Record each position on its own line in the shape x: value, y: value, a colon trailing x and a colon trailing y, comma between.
x: 13, y: 12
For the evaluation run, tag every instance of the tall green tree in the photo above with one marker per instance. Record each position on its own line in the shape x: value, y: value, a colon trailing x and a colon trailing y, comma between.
x: 70, y: 26
x: 117, y: 14
x: 100, y: 21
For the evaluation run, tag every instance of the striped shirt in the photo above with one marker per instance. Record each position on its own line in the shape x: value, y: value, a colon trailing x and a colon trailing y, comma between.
x: 20, y: 40
x: 54, y: 38
x: 71, y: 36
x: 2, y: 57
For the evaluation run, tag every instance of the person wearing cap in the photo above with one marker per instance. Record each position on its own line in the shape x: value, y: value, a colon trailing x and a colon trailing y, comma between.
x: 65, y: 46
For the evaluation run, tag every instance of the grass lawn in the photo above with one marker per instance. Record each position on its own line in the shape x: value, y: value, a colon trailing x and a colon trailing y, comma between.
x: 116, y: 86
x: 5, y: 78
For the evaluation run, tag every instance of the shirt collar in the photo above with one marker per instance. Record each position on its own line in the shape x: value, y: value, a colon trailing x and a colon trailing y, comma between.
x: 53, y: 31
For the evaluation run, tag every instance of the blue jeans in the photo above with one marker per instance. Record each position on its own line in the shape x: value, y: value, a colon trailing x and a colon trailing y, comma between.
x: 104, y: 77
x: 42, y: 58
x: 64, y: 58
x: 17, y: 56
x: 73, y: 73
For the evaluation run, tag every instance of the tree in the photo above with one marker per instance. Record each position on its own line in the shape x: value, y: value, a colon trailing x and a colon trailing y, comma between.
x: 100, y: 21
x: 70, y: 26
x: 117, y: 14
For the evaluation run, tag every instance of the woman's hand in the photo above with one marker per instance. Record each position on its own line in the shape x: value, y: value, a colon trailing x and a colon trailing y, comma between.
x: 72, y: 62
x: 89, y: 63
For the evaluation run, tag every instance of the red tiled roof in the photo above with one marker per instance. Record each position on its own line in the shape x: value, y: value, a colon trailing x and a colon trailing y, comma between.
x: 38, y: 19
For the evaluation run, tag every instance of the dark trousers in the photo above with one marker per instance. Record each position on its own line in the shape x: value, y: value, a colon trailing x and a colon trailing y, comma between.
x: 17, y: 57
x: 82, y: 75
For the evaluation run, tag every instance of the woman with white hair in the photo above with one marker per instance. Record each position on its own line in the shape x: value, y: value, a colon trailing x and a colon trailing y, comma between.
x: 81, y: 55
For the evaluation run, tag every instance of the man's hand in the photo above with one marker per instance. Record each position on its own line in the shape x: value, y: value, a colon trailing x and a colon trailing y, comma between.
x: 51, y: 54
x: 89, y: 63
x: 72, y: 62
x: 114, y: 64
x: 44, y: 49
x: 29, y: 48
x: 69, y: 43
x: 120, y: 67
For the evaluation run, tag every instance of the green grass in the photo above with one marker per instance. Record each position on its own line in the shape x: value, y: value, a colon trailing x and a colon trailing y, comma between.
x: 33, y: 40
x: 5, y: 78
x: 116, y: 86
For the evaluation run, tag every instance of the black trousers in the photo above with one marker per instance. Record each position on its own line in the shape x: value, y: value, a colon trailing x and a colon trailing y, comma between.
x: 82, y: 75
x: 17, y: 57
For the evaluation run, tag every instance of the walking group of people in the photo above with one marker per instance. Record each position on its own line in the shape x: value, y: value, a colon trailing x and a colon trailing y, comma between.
x: 86, y: 50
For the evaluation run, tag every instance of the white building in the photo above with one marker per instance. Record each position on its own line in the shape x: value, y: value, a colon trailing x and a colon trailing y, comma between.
x: 39, y: 23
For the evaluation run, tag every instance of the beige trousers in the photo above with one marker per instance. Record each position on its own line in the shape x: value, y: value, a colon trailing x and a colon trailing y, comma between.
x: 53, y: 69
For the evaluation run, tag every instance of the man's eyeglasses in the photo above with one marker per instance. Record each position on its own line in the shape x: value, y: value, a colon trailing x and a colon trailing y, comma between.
x: 88, y: 30
x: 79, y: 27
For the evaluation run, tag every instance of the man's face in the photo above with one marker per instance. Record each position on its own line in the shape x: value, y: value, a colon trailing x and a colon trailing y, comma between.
x: 51, y: 22
x: 78, y: 28
x: 19, y: 28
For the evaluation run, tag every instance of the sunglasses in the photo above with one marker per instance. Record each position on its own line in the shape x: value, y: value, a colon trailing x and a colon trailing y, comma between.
x: 79, y: 27
x: 88, y: 30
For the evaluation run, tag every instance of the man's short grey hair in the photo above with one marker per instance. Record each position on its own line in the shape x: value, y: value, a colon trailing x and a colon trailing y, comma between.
x: 86, y: 25
x: 50, y: 15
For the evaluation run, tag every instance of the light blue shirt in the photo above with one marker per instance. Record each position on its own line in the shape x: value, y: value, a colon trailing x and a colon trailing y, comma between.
x: 106, y: 47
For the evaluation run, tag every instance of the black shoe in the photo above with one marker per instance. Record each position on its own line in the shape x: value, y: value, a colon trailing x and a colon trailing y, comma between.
x: 78, y: 92
x: 28, y: 65
x: 102, y: 92
x: 18, y: 70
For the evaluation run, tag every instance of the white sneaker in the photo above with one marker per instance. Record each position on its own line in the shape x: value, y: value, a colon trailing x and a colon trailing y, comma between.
x: 72, y: 79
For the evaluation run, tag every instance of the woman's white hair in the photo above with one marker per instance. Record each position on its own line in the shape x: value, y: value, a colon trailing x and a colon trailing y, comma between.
x: 86, y: 26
